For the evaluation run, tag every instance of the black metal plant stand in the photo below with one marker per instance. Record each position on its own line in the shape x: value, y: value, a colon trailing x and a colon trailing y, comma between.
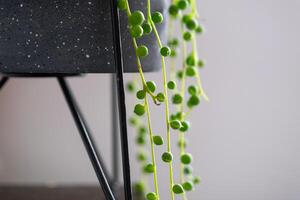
x: 118, y: 93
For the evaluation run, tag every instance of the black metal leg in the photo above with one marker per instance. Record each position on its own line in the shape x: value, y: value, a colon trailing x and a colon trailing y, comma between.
x: 87, y: 140
x: 115, y: 132
x: 121, y: 98
x: 3, y: 80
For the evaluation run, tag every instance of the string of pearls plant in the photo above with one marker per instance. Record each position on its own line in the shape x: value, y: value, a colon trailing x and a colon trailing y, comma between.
x: 185, y: 14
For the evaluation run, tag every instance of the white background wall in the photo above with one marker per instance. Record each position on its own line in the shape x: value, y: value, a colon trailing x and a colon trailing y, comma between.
x: 245, y: 141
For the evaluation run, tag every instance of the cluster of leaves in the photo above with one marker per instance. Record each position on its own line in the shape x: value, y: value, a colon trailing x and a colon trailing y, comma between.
x: 185, y: 13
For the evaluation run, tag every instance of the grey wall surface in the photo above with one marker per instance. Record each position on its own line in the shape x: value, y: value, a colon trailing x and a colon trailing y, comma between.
x: 245, y: 141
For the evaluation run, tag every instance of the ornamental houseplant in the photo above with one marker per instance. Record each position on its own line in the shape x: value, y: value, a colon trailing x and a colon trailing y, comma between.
x: 73, y: 36
x: 183, y: 48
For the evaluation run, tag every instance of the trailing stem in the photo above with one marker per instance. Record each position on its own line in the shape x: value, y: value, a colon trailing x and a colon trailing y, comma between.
x: 198, y: 78
x: 128, y: 12
x: 182, y: 92
x: 164, y: 73
x: 139, y: 65
x: 152, y: 146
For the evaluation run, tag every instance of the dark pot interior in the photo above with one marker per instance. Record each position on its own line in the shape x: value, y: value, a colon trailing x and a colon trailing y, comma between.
x: 68, y: 36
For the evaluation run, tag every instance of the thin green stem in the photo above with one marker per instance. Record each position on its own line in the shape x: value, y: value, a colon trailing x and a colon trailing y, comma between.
x: 194, y: 8
x: 152, y: 146
x: 172, y: 65
x: 184, y: 46
x: 128, y: 12
x: 198, y: 78
x: 182, y: 92
x: 166, y: 97
x: 143, y: 177
x: 139, y: 65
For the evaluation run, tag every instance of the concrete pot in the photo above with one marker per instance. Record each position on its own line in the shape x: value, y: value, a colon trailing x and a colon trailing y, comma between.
x: 68, y: 36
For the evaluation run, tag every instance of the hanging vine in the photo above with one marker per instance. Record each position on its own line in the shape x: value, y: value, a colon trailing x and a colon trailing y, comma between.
x: 184, y: 98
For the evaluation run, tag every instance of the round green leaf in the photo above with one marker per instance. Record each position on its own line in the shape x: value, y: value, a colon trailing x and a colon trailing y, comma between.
x: 178, y: 189
x: 186, y: 158
x: 158, y: 140
x: 167, y: 157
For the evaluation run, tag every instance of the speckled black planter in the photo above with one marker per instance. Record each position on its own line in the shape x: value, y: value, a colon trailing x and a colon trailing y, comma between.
x: 68, y: 36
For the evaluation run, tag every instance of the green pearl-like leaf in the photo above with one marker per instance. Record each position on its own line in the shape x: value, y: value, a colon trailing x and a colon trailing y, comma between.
x: 165, y: 51
x: 191, y: 71
x: 187, y: 36
x: 171, y: 85
x: 186, y: 158
x: 177, y: 189
x: 174, y: 42
x: 175, y: 124
x: 179, y: 74
x: 167, y: 157
x: 142, y: 51
x: 196, y: 180
x: 151, y: 86
x: 140, y: 140
x: 139, y: 109
x: 193, y: 101
x: 185, y: 125
x: 157, y: 17
x: 133, y: 121
x: 179, y: 115
x: 136, y: 18
x: 177, y: 99
x: 188, y: 185
x: 187, y: 170
x: 173, y: 10
x: 158, y: 140
x: 173, y: 53
x: 142, y: 130
x: 192, y: 24
x: 151, y: 196
x: 147, y: 28
x: 182, y: 4
x: 122, y: 5
x: 199, y: 29
x: 201, y: 63
x: 131, y: 86
x: 192, y: 90
x: 160, y: 97
x: 136, y: 31
x: 149, y: 168
x: 140, y: 94
x: 141, y: 156
x: 191, y: 60
x: 139, y: 187
x: 186, y: 18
